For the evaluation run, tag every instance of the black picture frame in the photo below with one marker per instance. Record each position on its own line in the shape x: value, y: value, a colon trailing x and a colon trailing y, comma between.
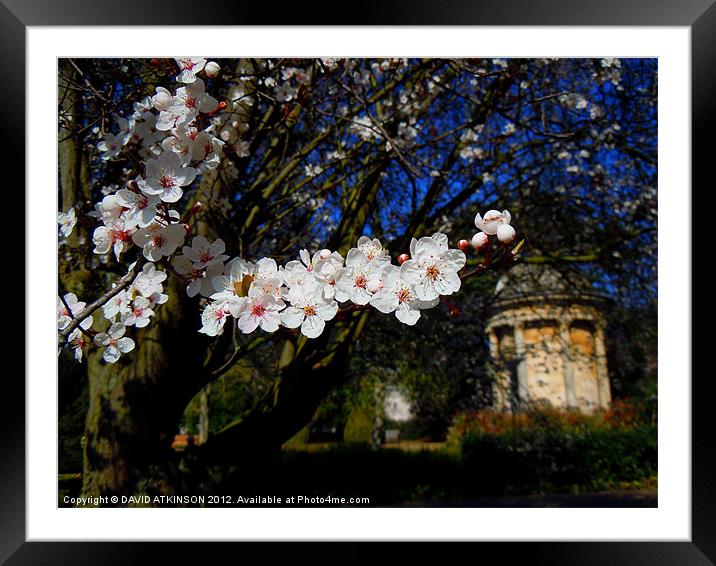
x: 699, y: 15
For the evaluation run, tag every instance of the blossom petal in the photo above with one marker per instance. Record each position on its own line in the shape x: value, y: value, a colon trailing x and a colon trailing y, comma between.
x: 313, y: 326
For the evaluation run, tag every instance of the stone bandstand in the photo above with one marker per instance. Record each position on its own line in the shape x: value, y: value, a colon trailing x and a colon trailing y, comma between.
x: 546, y: 337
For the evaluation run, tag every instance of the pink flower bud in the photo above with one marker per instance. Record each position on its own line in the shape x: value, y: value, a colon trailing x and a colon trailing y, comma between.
x: 212, y: 69
x: 463, y: 245
x: 505, y: 233
x: 479, y: 240
x: 402, y: 258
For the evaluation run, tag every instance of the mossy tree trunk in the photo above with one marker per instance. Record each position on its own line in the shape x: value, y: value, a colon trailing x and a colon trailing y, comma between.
x: 135, y: 405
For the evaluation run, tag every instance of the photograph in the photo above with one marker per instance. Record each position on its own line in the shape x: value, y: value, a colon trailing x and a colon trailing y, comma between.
x: 357, y: 282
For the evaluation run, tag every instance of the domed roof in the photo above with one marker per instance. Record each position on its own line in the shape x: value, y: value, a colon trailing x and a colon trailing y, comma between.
x: 531, y: 282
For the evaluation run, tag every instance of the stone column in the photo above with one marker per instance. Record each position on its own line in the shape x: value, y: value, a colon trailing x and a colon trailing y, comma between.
x: 569, y: 394
x: 522, y: 387
x: 600, y: 353
x: 498, y: 387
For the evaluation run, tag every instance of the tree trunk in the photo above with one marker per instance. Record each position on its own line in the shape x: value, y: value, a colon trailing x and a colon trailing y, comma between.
x: 135, y: 405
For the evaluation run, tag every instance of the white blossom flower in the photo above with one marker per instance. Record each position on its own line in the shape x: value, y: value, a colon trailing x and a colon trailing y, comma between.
x: 313, y: 170
x: 361, y: 277
x: 200, y: 278
x: 492, y: 220
x: 372, y: 249
x: 114, y: 236
x: 232, y: 288
x: 141, y: 208
x: 213, y: 318
x: 285, y: 92
x: 397, y: 295
x: 309, y: 309
x: 207, y: 148
x: 67, y: 222
x: 64, y: 316
x: 162, y: 100
x: 328, y: 271
x: 112, y: 144
x: 158, y: 241
x: 188, y: 68
x: 192, y: 99
x: 330, y: 63
x: 261, y: 309
x: 157, y: 298
x: 139, y: 313
x: 166, y: 176
x: 202, y: 253
x: 149, y: 281
x: 109, y: 210
x: 117, y: 305
x: 433, y: 267
x: 299, y: 273
x: 77, y: 340
x: 114, y: 342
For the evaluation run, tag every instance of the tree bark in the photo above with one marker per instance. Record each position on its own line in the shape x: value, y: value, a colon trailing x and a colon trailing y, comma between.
x: 135, y: 405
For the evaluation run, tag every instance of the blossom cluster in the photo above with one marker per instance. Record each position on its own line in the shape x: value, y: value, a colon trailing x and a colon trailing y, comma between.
x: 306, y: 293
x: 166, y: 134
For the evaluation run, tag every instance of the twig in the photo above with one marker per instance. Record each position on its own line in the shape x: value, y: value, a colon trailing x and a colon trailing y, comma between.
x: 121, y: 284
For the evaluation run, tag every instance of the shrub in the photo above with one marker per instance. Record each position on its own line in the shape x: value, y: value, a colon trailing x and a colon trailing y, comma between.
x: 536, y: 459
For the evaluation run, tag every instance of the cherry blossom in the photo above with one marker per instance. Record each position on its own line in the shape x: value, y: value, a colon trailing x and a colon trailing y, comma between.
x: 114, y: 342
x: 361, y: 277
x: 162, y: 99
x: 433, y: 267
x: 158, y: 240
x: 141, y: 208
x: 397, y: 295
x: 213, y: 318
x: 166, y: 176
x: 285, y: 92
x: 200, y: 278
x: 77, y: 341
x: 114, y: 236
x: 261, y: 309
x: 117, y: 305
x: 186, y: 105
x: 505, y: 233
x: 202, y: 253
x: 232, y: 288
x: 328, y: 271
x: 67, y: 222
x: 173, y: 137
x: 309, y: 309
x: 139, y: 313
x: 492, y: 220
x: 188, y: 68
x: 207, y: 148
x: 64, y: 316
x: 149, y: 281
x: 372, y: 249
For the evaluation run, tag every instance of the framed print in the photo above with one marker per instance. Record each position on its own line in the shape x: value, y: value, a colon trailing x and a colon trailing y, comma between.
x: 407, y: 277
